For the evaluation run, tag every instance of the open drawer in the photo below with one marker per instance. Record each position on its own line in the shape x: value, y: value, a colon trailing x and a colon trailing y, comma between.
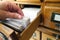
x: 27, y: 32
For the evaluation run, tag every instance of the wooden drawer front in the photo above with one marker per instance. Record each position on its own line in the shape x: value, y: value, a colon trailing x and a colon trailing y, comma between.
x: 47, y: 16
x: 34, y: 1
x: 7, y: 31
x: 52, y: 0
x: 53, y: 4
x: 48, y: 31
x: 36, y: 35
x: 47, y: 37
x: 50, y: 34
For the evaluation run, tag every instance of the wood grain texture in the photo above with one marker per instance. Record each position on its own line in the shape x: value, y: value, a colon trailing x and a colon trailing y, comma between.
x: 7, y: 31
x: 47, y: 16
x: 30, y: 2
x: 36, y: 35
x: 46, y: 37
x: 52, y: 4
x: 34, y: 1
x: 51, y: 0
x: 47, y: 31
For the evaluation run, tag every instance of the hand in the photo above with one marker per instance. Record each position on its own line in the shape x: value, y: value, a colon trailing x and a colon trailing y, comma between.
x: 10, y: 10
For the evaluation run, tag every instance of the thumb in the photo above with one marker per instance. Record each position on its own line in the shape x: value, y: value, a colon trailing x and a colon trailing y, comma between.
x: 14, y: 15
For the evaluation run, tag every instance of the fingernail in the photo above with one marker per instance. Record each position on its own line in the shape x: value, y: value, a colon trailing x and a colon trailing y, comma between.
x: 19, y: 16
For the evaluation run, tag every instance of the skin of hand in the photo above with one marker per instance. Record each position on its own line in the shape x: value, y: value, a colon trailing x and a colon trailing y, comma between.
x: 10, y: 10
x: 0, y: 38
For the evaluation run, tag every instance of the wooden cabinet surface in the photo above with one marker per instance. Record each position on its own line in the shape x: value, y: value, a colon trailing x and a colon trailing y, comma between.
x: 47, y: 37
x: 52, y: 0
x: 36, y: 35
x: 48, y: 11
x: 34, y: 1
x: 31, y: 2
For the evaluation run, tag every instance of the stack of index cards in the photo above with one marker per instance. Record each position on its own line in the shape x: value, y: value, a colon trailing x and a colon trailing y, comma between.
x: 17, y: 24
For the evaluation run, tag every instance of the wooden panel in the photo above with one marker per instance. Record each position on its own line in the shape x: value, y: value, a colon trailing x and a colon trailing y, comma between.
x: 53, y: 4
x: 47, y: 37
x: 50, y: 32
x: 32, y: 2
x: 7, y: 31
x: 36, y: 35
x: 52, y: 0
x: 27, y: 3
x: 47, y: 31
x: 27, y: 33
x: 47, y: 16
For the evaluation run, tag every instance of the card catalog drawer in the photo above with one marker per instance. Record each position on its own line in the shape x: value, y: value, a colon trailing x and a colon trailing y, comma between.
x: 53, y: 34
x: 31, y: 2
x: 47, y: 37
x: 53, y: 4
x: 27, y: 33
x: 48, y: 31
x: 52, y: 0
x: 34, y: 1
x: 48, y: 11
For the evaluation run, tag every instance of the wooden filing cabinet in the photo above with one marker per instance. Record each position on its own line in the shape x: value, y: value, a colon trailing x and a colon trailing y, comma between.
x: 50, y: 6
x: 27, y: 32
x: 49, y: 27
x: 48, y: 14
